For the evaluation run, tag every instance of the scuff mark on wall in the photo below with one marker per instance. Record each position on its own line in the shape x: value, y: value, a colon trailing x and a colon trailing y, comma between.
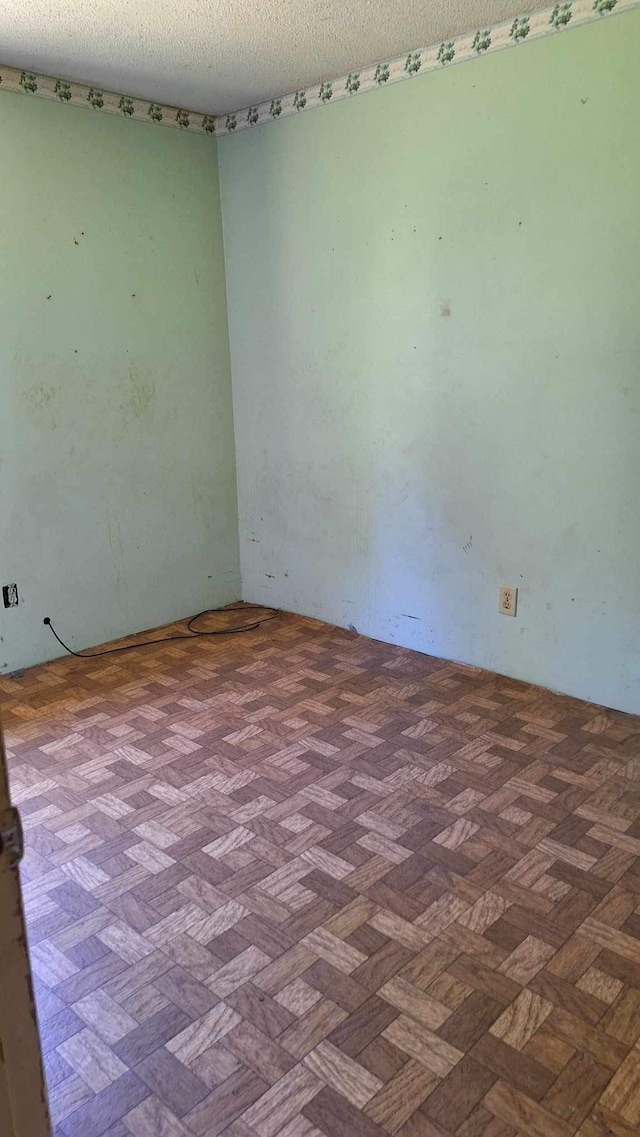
x: 114, y: 537
x: 39, y: 402
x: 139, y: 392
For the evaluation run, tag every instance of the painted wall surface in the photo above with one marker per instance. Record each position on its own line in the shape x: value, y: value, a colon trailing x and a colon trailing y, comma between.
x: 434, y: 297
x: 117, y: 468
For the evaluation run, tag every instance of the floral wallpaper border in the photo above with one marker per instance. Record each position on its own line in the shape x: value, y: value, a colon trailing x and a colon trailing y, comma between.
x: 550, y: 21
x: 106, y: 102
x: 512, y: 33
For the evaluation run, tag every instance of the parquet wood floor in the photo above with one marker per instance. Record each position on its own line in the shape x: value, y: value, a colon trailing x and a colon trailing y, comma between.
x: 298, y: 883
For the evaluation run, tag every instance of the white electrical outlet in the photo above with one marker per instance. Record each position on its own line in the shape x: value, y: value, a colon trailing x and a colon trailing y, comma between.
x: 10, y: 595
x: 507, y: 600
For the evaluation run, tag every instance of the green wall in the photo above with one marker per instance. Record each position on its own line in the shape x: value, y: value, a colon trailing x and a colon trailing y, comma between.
x: 397, y: 464
x: 117, y: 467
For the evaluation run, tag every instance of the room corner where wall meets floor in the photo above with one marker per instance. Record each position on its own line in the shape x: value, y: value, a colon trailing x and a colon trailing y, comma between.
x: 118, y: 508
x: 433, y: 296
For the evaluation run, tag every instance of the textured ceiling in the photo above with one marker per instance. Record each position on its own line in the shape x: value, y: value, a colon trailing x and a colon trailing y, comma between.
x: 218, y: 55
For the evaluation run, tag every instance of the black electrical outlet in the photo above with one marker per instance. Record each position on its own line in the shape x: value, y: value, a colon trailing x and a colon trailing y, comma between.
x: 10, y: 595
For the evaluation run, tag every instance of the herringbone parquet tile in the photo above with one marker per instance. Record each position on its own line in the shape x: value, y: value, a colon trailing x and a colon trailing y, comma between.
x: 298, y: 883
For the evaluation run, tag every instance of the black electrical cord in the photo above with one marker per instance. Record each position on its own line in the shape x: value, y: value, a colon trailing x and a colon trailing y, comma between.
x: 191, y: 633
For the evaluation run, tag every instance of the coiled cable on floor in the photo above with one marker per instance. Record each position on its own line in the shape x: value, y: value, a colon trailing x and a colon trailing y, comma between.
x: 192, y: 631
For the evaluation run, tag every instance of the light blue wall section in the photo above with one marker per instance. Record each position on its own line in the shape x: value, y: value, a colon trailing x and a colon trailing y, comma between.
x: 396, y: 465
x: 117, y: 469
